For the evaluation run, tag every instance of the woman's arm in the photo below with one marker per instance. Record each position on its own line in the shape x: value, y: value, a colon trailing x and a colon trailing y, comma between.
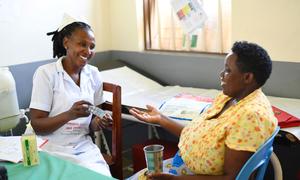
x: 43, y: 124
x: 233, y: 163
x: 152, y: 115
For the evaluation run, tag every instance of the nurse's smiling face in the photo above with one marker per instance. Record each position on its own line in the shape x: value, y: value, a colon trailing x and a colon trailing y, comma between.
x: 80, y: 47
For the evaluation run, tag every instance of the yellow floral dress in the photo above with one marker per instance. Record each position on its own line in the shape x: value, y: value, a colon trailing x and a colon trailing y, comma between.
x: 243, y: 126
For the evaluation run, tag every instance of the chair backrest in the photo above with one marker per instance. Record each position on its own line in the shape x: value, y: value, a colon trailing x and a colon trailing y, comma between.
x: 115, y: 159
x: 259, y: 160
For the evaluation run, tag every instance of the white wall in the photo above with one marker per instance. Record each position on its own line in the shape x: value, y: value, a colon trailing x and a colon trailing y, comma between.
x: 101, y: 21
x: 124, y: 27
x: 273, y: 24
x: 24, y: 24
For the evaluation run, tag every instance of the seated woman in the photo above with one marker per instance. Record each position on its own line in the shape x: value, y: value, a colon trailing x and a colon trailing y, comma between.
x: 61, y: 93
x: 218, y: 143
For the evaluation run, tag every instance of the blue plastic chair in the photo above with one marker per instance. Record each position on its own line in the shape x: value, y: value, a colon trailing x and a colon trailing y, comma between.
x: 259, y: 160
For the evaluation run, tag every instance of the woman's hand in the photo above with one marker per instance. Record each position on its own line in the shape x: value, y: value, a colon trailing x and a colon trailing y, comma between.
x: 152, y: 115
x: 79, y: 109
x: 105, y: 122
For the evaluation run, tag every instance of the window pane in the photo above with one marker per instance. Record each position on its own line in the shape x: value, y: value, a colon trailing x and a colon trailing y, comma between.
x: 166, y: 33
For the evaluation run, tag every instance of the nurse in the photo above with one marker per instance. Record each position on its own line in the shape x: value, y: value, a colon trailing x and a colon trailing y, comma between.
x: 60, y: 95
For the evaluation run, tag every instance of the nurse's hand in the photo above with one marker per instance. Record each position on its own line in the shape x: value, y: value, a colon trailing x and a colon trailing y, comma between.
x: 99, y: 123
x: 79, y: 109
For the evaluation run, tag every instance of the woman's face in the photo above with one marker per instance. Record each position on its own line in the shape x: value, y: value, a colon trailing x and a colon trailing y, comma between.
x: 80, y: 46
x: 232, y: 79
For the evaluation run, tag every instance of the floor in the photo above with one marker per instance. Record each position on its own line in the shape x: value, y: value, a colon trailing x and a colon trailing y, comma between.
x: 127, y: 164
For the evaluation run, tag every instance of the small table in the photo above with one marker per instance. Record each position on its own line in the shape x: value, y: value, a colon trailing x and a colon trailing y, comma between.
x: 53, y: 168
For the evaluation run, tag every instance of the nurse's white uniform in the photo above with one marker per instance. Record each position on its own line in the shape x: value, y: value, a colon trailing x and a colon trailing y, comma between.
x: 55, y: 92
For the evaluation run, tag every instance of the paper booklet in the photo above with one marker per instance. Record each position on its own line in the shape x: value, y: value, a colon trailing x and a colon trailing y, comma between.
x: 185, y: 106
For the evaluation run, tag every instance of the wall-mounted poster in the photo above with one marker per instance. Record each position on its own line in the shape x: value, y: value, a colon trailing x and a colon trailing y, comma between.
x: 190, y: 14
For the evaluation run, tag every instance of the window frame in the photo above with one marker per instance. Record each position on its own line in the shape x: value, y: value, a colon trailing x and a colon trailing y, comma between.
x: 147, y: 34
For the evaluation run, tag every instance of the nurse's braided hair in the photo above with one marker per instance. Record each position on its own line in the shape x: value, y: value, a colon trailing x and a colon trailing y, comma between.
x: 58, y: 36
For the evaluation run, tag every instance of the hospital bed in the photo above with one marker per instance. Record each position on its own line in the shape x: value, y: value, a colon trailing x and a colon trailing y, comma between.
x: 139, y: 90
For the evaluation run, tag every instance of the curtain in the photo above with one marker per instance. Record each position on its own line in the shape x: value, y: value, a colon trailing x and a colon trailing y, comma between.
x: 166, y: 32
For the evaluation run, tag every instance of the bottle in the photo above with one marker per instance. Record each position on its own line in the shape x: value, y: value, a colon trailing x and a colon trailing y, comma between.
x: 29, y: 150
x: 9, y: 108
x: 29, y: 147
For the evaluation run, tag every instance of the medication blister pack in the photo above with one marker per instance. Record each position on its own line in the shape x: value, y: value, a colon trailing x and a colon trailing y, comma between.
x: 96, y: 111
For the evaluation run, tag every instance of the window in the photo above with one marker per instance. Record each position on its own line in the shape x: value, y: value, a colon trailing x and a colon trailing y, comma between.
x: 163, y: 30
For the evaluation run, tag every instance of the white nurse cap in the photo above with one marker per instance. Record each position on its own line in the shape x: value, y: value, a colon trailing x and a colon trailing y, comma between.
x: 67, y: 19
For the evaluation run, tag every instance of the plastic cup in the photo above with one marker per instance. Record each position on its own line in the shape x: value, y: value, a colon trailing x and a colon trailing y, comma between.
x: 154, y: 158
